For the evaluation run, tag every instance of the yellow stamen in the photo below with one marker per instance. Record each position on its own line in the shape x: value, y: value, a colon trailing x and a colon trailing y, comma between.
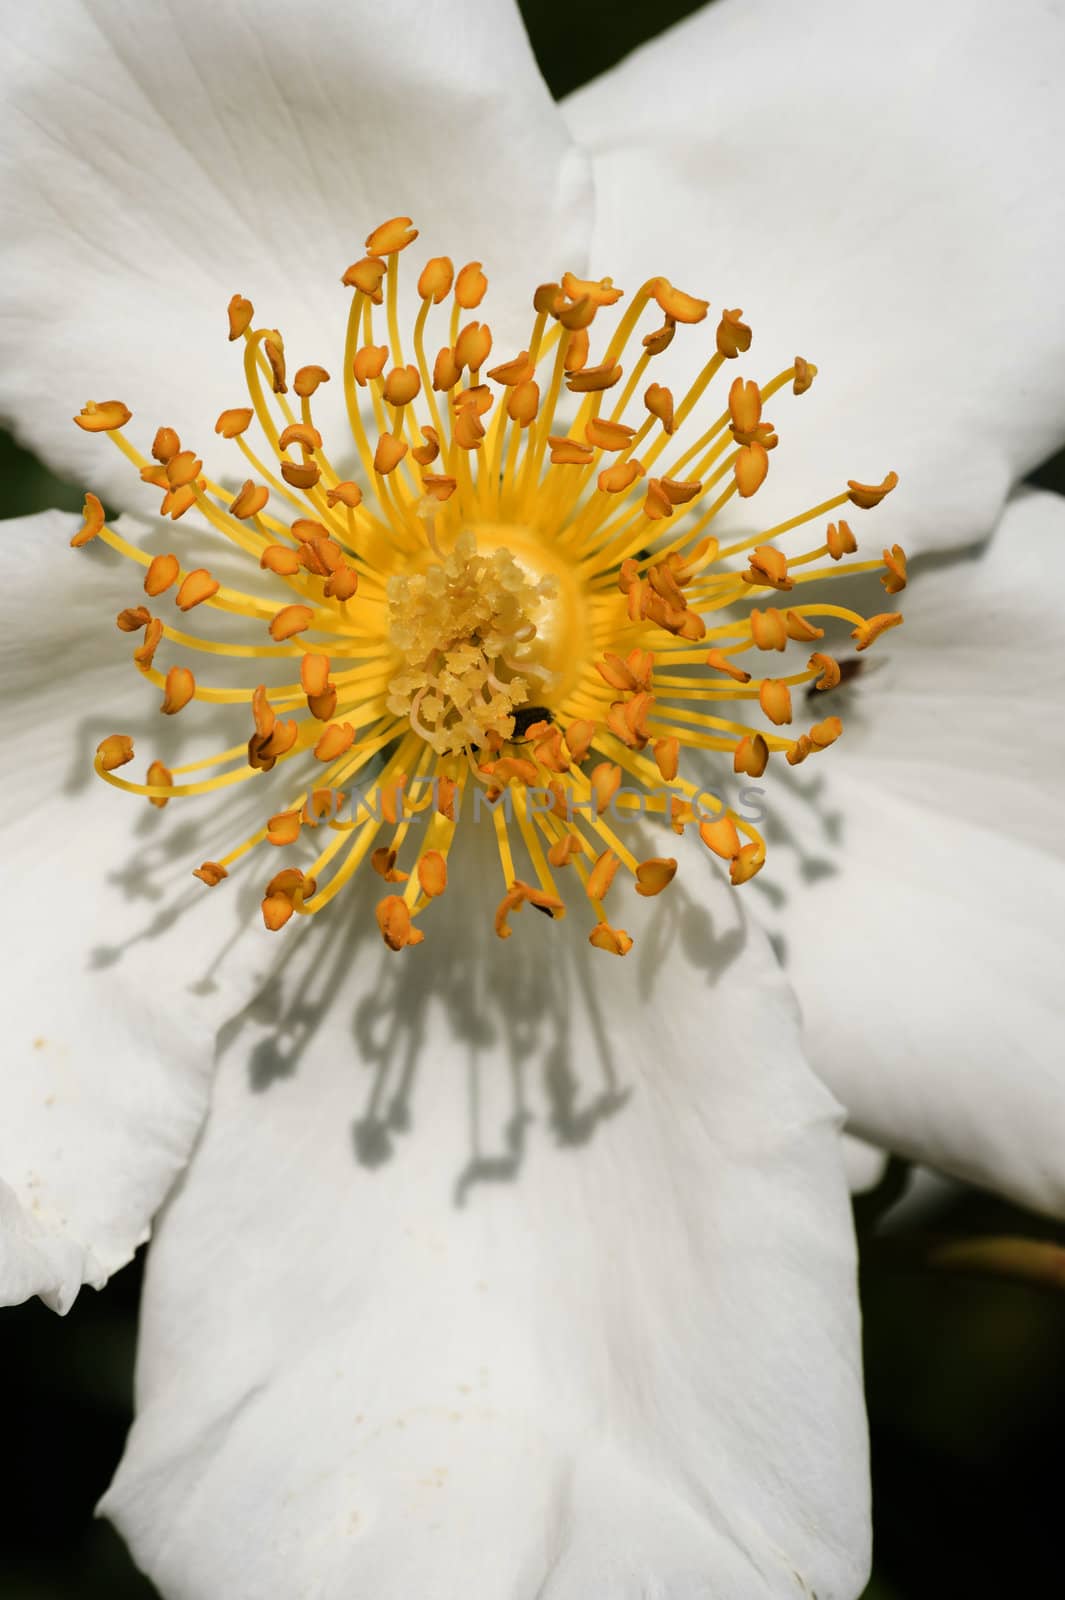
x: 494, y: 606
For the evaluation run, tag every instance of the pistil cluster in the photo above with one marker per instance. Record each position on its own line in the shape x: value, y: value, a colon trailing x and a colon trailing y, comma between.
x: 467, y: 591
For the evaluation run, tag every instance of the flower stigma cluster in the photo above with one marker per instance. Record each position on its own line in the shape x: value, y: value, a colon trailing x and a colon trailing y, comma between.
x: 506, y: 583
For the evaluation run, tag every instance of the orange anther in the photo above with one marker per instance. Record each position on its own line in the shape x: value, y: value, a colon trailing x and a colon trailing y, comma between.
x: 103, y: 416
x: 750, y: 860
x: 721, y: 837
x: 196, y: 587
x: 667, y: 757
x: 347, y: 493
x: 314, y: 673
x: 234, y: 421
x: 162, y: 572
x: 563, y: 849
x: 676, y: 304
x: 602, y: 875
x: 114, y: 751
x: 280, y: 558
x: 133, y: 619
x: 92, y: 521
x: 750, y: 468
x: 605, y: 780
x: 894, y: 579
x: 614, y: 940
x: 871, y: 629
x: 337, y: 738
x: 162, y: 778
x: 425, y: 454
x: 550, y: 298
x: 301, y: 475
x: 828, y: 668
x: 768, y: 568
x: 579, y: 736
x: 393, y: 919
x: 659, y: 402
x: 797, y: 753
x: 432, y: 873
x: 446, y: 370
x: 579, y: 316
x: 165, y: 445
x: 590, y: 380
x: 473, y: 346
x: 383, y: 862
x: 654, y: 875
x: 145, y: 651
x: 240, y: 313
x: 308, y: 379
x: 621, y: 476
x: 470, y: 286
x: 600, y: 291
x: 274, y: 350
x: 467, y: 429
x: 342, y: 584
x: 868, y: 495
x: 840, y: 540
x: 178, y: 690
x: 436, y: 278
x: 569, y: 452
x: 661, y: 338
x: 289, y: 621
x: 401, y: 385
x: 323, y: 706
x: 369, y: 362
x: 388, y: 237
x: 284, y: 828
x: 301, y: 433
x: 822, y: 734
x: 510, y: 373
x: 606, y: 435
x: 439, y: 485
x: 263, y: 712
x: 578, y: 346
x: 733, y: 336
x: 250, y: 501
x: 751, y: 755
x: 805, y: 373
x: 774, y: 697
x: 389, y: 453
x: 523, y: 402
x: 211, y: 873
x: 366, y: 275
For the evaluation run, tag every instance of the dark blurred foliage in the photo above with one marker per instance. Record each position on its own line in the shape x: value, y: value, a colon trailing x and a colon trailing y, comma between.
x: 965, y: 1374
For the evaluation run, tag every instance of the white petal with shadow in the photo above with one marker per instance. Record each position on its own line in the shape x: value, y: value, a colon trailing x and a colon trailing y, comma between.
x: 922, y: 923
x: 507, y: 1269
x: 112, y: 994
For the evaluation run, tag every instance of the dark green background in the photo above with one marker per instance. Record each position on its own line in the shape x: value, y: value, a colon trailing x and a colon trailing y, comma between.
x: 965, y: 1375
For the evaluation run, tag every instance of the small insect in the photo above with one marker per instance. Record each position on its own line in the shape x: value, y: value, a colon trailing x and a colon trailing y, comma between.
x: 524, y: 717
x: 849, y: 668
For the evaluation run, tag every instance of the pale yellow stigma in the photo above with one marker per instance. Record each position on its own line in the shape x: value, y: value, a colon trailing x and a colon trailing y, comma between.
x: 498, y: 585
x: 465, y: 628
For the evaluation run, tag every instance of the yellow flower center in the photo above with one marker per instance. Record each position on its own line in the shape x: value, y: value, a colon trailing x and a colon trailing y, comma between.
x: 500, y: 588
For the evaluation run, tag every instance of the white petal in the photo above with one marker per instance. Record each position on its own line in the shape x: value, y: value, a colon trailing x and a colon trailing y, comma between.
x: 152, y: 165
x: 864, y: 1164
x: 111, y: 1004
x: 923, y: 927
x: 881, y: 189
x: 507, y: 1270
